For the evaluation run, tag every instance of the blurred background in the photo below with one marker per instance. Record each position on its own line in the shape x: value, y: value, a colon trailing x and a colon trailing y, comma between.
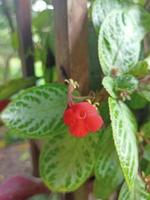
x: 42, y: 35
x: 27, y: 57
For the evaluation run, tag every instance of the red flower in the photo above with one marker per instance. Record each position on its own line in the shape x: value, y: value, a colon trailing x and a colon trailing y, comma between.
x: 82, y: 118
x: 3, y: 104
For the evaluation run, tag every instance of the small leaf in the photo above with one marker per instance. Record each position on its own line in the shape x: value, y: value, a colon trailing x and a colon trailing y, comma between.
x: 120, y: 39
x: 138, y: 193
x: 124, y: 130
x: 144, y: 88
x: 136, y: 102
x: 37, y: 111
x: 109, y: 85
x: 142, y: 68
x: 126, y: 83
x: 141, y: 2
x: 145, y: 94
x: 107, y: 169
x: 146, y: 130
x: 66, y: 162
x: 147, y: 152
x: 12, y: 87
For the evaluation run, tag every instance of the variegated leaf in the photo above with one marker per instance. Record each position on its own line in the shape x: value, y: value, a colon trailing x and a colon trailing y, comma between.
x: 37, y: 111
x: 66, y: 162
x: 120, y: 39
x: 138, y: 193
x: 107, y: 169
x: 124, y: 130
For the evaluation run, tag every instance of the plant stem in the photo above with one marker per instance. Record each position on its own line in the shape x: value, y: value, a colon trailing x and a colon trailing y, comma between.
x: 81, y: 193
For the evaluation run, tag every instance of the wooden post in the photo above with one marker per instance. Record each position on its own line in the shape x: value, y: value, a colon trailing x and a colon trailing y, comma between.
x: 71, y: 41
x: 23, y: 16
x: 26, y: 50
x: 72, y: 52
x: 62, y: 42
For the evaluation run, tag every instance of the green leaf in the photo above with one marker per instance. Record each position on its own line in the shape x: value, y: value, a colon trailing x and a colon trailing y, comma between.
x: 43, y: 24
x: 109, y: 84
x: 146, y: 130
x: 136, y: 102
x: 104, y: 111
x: 15, y: 40
x: 107, y: 169
x: 120, y: 39
x: 138, y: 193
x: 37, y: 111
x: 126, y: 83
x: 12, y: 87
x: 142, y: 68
x: 124, y: 130
x: 100, y: 10
x: 66, y: 162
x: 141, y: 2
x: 147, y: 152
x: 145, y: 94
x: 40, y: 197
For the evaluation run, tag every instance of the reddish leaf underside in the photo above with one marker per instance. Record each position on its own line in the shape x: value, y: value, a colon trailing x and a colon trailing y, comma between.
x: 21, y: 188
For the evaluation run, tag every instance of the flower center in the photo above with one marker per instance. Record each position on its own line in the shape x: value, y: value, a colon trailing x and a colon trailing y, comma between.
x: 82, y: 115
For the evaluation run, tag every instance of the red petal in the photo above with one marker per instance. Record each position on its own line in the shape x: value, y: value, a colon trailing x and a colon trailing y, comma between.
x: 69, y: 117
x: 94, y: 123
x: 79, y: 129
x: 85, y: 107
x: 82, y: 118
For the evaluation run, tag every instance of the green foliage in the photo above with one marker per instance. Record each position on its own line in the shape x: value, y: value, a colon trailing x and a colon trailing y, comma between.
x: 52, y: 196
x: 14, y: 86
x: 109, y: 85
x: 141, y: 2
x: 104, y: 111
x: 39, y: 197
x: 107, y: 169
x: 138, y: 193
x: 111, y: 155
x: 124, y: 130
x: 144, y: 88
x: 119, y: 45
x: 100, y: 10
x: 136, y: 101
x: 43, y: 25
x: 146, y: 130
x: 145, y: 94
x: 37, y: 111
x: 147, y: 152
x: 142, y: 68
x: 125, y: 83
x: 66, y: 162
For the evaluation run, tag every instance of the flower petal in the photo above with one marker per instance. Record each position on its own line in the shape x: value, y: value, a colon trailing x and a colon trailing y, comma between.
x: 94, y: 123
x: 79, y: 129
x: 69, y: 117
